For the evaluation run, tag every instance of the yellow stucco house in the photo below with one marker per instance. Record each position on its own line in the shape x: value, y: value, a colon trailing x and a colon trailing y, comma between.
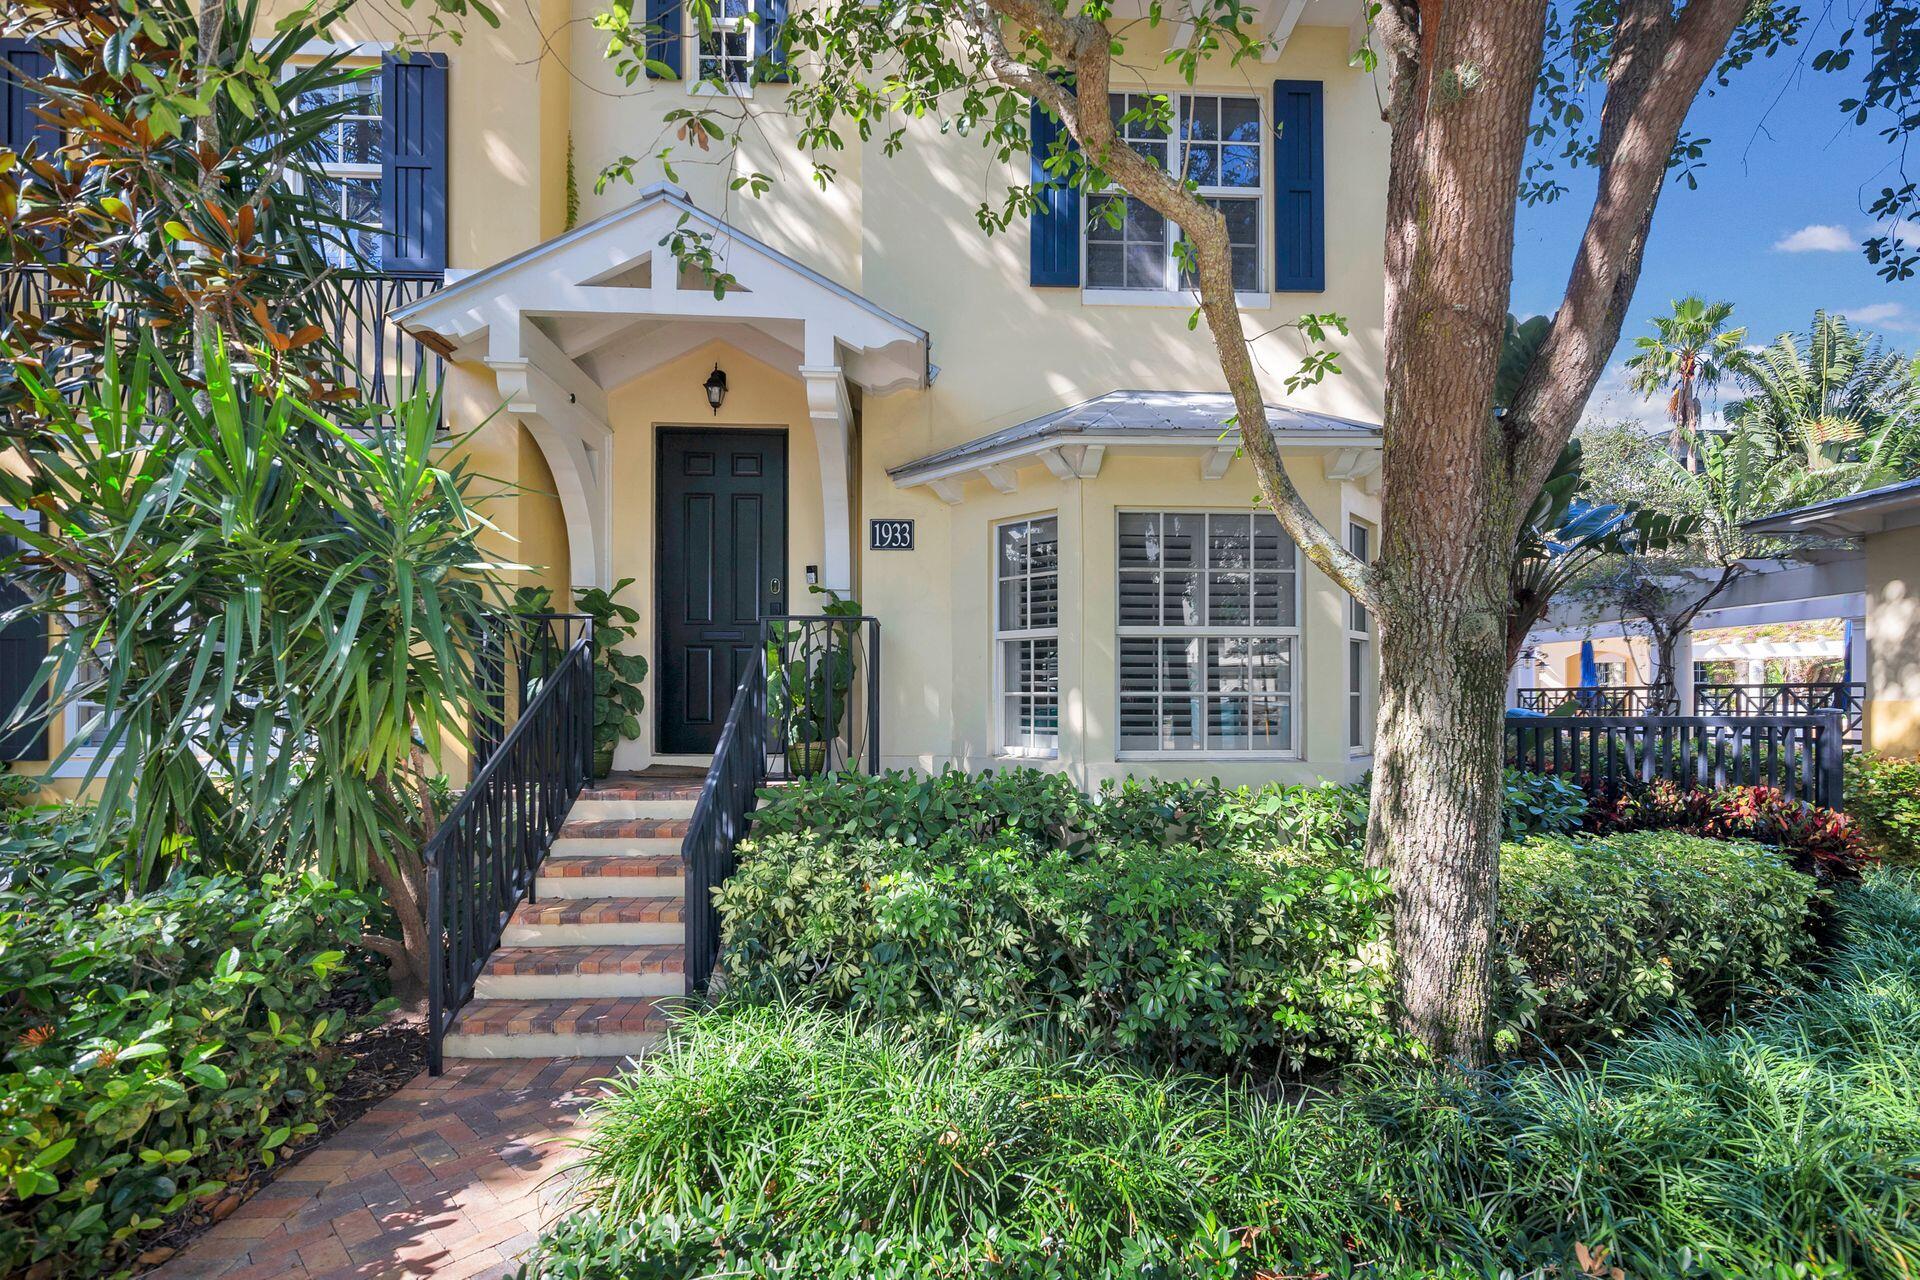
x: 1008, y: 449
x: 1886, y: 523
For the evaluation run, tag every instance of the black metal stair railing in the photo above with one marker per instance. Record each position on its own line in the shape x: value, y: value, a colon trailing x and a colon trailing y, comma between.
x: 809, y: 705
x: 481, y: 863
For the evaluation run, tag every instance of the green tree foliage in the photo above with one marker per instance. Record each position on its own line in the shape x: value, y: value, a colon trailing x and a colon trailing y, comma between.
x: 1687, y: 353
x: 1838, y: 400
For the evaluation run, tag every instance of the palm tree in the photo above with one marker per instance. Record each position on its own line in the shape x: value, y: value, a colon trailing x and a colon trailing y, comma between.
x: 1835, y: 398
x: 1688, y: 352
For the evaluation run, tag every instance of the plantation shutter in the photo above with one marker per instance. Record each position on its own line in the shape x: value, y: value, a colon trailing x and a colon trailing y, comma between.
x: 413, y: 174
x: 23, y: 647
x: 773, y: 13
x: 18, y: 124
x: 1055, y: 221
x: 663, y: 44
x: 1299, y: 188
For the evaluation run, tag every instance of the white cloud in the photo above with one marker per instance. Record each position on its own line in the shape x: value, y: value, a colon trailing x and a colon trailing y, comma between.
x: 1882, y: 315
x: 1818, y: 238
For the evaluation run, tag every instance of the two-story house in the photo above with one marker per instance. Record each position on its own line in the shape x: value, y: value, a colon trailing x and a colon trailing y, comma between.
x: 1009, y: 449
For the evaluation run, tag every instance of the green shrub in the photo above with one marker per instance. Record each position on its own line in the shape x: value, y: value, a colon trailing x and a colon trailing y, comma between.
x: 781, y: 1142
x: 1171, y: 953
x: 1599, y: 934
x: 918, y: 810
x: 1542, y: 804
x: 153, y: 1047
x: 1883, y: 796
x: 912, y: 809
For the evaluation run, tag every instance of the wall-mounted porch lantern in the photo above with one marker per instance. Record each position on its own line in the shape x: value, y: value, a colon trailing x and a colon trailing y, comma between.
x: 716, y: 386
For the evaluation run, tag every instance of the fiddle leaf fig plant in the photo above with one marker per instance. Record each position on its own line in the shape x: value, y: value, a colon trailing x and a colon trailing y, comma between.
x: 618, y: 678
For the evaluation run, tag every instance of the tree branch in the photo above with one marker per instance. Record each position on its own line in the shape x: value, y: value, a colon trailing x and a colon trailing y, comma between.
x: 1086, y: 47
x: 1658, y: 67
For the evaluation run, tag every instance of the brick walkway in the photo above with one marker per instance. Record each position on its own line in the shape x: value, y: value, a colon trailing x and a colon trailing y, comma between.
x: 448, y: 1178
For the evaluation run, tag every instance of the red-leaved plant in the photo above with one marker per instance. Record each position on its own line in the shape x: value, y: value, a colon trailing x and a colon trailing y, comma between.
x: 1826, y: 839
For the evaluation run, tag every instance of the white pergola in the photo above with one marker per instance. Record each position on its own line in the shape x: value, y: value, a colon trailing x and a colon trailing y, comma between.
x: 1832, y: 584
x: 569, y: 320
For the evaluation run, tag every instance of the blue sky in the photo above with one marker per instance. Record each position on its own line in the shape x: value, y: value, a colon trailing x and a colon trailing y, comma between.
x: 1774, y: 227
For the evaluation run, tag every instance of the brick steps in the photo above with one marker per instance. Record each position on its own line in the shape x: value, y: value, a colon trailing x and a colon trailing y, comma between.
x: 594, y: 963
x: 580, y: 1027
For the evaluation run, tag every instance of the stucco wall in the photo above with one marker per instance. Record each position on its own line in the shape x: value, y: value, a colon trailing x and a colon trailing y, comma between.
x: 936, y: 607
x: 1893, y: 641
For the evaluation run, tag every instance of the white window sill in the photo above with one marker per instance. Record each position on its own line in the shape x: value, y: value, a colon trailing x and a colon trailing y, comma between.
x: 1025, y: 753
x: 1166, y: 298
x: 730, y: 89
x: 76, y: 766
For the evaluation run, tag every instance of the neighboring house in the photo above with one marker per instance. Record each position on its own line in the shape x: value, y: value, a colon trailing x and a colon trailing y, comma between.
x: 1886, y: 523
x: 1009, y: 449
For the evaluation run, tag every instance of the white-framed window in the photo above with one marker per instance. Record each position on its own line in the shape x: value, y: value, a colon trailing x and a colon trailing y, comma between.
x: 1611, y: 673
x: 1360, y: 659
x: 350, y: 154
x: 1026, y: 634
x: 1209, y: 634
x: 722, y: 50
x: 1218, y: 140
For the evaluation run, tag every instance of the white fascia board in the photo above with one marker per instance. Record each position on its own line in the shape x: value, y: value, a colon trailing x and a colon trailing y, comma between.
x: 1097, y: 443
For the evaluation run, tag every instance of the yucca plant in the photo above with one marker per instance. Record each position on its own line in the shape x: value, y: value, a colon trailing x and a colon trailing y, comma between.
x: 279, y: 608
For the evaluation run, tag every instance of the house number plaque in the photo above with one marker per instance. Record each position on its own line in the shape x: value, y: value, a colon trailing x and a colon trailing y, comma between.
x: 890, y: 535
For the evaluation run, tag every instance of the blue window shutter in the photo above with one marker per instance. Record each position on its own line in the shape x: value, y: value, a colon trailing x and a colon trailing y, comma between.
x: 663, y: 46
x: 18, y: 123
x: 772, y: 14
x: 23, y: 647
x: 1055, y: 221
x: 413, y: 174
x: 1299, y: 188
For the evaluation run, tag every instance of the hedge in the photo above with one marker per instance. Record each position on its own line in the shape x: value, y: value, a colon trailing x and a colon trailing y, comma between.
x: 153, y: 1047
x: 1174, y: 954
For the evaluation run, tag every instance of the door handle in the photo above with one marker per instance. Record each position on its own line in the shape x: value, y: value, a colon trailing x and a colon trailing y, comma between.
x: 773, y: 588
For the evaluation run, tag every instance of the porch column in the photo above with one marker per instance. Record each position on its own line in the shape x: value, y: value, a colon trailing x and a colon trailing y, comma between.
x: 1683, y: 673
x: 831, y: 412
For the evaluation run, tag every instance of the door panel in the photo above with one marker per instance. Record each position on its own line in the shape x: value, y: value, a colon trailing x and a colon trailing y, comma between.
x: 721, y: 559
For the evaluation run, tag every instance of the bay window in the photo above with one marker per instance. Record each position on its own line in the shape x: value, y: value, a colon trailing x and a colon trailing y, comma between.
x: 1026, y: 627
x: 1360, y: 659
x: 1208, y: 634
x: 1213, y: 139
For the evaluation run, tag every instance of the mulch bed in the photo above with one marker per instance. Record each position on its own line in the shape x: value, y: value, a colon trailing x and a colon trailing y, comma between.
x: 385, y: 1058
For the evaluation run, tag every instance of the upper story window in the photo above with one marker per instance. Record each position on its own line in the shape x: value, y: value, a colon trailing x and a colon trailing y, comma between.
x: 1214, y: 139
x: 350, y: 153
x: 723, y: 39
x: 1026, y: 630
x: 1209, y: 633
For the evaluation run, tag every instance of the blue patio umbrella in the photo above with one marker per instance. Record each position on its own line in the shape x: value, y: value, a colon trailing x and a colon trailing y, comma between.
x: 1589, y: 674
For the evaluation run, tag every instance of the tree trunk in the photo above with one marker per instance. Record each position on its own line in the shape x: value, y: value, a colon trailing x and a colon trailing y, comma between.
x: 1436, y: 821
x: 1663, y: 692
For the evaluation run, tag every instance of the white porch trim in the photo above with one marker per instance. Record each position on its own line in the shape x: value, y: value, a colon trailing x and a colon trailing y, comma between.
x: 568, y: 320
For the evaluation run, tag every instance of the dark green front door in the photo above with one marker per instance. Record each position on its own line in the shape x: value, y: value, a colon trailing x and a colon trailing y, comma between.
x: 722, y: 566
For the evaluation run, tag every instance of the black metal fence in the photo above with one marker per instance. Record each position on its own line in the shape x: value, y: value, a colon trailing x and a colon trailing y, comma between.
x: 1788, y: 698
x: 371, y: 352
x: 823, y: 694
x: 1800, y: 755
x: 517, y: 652
x: 1590, y: 700
x: 482, y: 861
